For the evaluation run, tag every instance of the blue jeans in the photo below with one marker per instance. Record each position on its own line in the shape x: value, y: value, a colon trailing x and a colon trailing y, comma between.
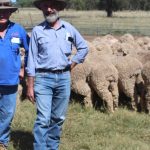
x: 7, y: 110
x: 52, y: 93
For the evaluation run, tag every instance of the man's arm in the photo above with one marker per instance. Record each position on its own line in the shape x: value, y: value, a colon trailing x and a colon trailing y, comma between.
x: 30, y: 69
x: 24, y: 52
x: 81, y: 46
x: 30, y: 89
x: 73, y: 65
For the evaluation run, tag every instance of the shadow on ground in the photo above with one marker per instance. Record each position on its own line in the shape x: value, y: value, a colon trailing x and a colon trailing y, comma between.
x: 22, y: 140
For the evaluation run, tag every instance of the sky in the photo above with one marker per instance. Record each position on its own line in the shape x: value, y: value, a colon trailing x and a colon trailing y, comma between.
x: 13, y: 1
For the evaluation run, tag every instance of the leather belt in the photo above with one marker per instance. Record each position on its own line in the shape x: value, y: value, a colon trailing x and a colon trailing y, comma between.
x: 40, y: 70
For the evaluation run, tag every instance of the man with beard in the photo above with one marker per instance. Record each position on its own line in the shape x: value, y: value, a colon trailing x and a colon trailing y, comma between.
x: 48, y: 68
x: 12, y: 37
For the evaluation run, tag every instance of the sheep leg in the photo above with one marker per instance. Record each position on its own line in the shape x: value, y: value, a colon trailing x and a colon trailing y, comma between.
x: 134, y: 100
x: 129, y: 90
x: 142, y: 100
x: 106, y: 96
x: 147, y: 98
x: 101, y: 87
x: 141, y: 92
x: 82, y: 88
x: 88, y: 100
x: 115, y: 94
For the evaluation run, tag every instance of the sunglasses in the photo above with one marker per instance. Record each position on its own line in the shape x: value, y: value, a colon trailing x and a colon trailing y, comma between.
x: 5, y: 4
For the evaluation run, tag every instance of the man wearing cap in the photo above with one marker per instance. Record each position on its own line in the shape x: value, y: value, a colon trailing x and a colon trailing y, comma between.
x: 48, y: 68
x: 12, y: 37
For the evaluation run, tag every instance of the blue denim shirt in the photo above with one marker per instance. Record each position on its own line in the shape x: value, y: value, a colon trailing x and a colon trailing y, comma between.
x: 10, y: 61
x: 51, y: 48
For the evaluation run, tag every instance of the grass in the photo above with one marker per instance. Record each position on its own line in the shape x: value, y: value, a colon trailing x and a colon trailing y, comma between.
x: 87, y: 129
x: 93, y: 22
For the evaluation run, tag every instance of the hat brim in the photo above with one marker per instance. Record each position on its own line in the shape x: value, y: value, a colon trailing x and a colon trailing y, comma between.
x: 12, y: 9
x: 61, y: 4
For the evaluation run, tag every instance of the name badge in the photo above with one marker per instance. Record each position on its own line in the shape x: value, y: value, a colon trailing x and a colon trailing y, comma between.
x: 15, y: 40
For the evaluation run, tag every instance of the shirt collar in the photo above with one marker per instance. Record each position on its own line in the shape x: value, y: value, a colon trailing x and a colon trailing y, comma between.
x: 10, y: 24
x: 46, y: 25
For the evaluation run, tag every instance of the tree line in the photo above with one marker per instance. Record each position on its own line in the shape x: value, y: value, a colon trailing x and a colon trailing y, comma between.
x: 114, y: 5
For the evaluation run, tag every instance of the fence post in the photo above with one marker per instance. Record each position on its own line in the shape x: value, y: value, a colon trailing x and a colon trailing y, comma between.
x: 97, y: 31
x: 31, y: 20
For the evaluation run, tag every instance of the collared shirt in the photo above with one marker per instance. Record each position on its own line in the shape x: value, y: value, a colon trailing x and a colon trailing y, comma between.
x: 51, y: 48
x: 10, y: 61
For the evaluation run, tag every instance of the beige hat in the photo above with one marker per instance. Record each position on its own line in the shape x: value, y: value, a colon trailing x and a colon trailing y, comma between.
x: 7, y: 5
x: 60, y: 3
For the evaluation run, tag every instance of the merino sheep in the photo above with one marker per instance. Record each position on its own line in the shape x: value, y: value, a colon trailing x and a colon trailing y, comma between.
x: 144, y: 42
x: 130, y: 80
x: 79, y: 84
x: 143, y: 56
x: 100, y: 76
x: 146, y: 78
x: 103, y: 48
x: 129, y: 70
x: 104, y: 81
x: 126, y: 38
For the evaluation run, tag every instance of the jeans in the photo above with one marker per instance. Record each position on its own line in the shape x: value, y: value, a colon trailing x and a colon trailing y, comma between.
x: 7, y: 110
x: 52, y: 93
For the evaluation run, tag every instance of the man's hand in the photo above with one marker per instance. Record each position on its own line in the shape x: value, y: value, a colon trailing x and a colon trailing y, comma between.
x: 30, y: 89
x: 73, y: 65
x: 21, y: 74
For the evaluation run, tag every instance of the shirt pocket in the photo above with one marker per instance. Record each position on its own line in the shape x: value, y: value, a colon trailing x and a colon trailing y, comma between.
x: 43, y: 44
x: 67, y: 47
x: 15, y: 48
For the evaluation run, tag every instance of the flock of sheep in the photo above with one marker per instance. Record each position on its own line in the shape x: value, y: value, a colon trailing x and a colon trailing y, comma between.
x: 112, y: 68
x: 115, y: 67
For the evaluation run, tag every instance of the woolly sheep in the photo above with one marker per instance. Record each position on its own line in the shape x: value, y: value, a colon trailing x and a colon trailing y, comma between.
x: 126, y: 38
x: 143, y: 56
x: 130, y: 80
x: 146, y: 78
x: 144, y: 42
x: 100, y: 76
x: 103, y: 48
x: 129, y: 70
x: 104, y: 80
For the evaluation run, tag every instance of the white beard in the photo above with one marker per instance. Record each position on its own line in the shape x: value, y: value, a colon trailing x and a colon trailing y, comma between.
x: 52, y: 17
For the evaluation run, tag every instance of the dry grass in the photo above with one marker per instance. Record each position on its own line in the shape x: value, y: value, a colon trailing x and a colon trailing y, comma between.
x: 93, y: 22
x: 87, y: 129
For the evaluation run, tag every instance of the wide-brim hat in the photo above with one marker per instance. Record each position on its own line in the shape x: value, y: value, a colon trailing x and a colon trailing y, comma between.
x: 7, y: 5
x: 60, y: 3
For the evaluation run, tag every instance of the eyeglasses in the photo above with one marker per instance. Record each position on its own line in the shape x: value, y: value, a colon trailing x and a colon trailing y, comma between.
x: 5, y: 4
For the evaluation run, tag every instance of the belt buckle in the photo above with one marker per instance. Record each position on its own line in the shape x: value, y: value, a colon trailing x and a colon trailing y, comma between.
x: 59, y: 71
x: 0, y: 95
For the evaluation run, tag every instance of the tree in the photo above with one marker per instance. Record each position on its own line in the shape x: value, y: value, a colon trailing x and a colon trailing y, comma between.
x: 25, y: 3
x: 91, y: 4
x: 109, y: 8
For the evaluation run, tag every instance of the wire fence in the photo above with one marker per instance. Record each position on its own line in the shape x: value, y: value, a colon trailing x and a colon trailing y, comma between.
x: 93, y: 23
x: 103, y: 30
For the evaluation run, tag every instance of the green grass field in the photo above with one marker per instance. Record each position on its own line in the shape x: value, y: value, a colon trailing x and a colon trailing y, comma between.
x: 87, y: 129
x: 93, y: 22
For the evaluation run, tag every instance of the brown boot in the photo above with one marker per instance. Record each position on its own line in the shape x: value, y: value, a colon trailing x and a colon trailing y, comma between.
x: 2, y: 147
